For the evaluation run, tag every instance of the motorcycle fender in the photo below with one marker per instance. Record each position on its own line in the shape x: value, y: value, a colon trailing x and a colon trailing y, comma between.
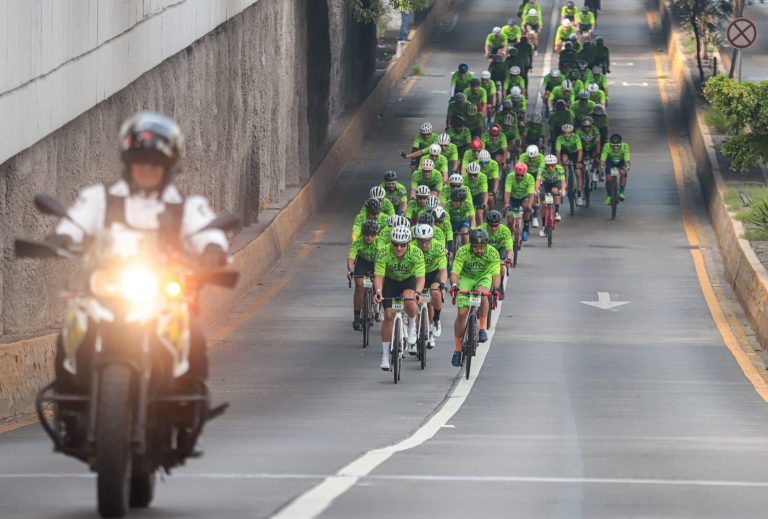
x: 173, y: 331
x: 72, y: 334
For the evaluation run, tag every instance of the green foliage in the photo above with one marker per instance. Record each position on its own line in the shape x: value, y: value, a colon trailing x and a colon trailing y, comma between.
x: 705, y: 19
x: 746, y: 104
x: 719, y: 122
x: 370, y: 11
x: 755, y: 216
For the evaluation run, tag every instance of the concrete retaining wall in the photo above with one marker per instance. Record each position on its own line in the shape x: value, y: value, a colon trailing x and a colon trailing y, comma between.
x: 743, y: 269
x: 26, y: 365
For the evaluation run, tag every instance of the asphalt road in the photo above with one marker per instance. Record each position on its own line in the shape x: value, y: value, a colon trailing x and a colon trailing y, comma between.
x: 577, y: 411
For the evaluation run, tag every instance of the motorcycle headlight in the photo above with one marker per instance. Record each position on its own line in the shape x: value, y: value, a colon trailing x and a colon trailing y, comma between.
x: 139, y: 284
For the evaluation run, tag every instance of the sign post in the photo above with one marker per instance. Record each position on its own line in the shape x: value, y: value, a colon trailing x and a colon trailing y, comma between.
x: 741, y: 34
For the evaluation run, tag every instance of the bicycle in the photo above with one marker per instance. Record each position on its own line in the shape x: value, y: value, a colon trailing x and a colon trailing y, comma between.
x: 398, y: 338
x: 472, y: 330
x: 424, y: 331
x: 590, y: 181
x: 517, y: 234
x: 550, y: 223
x: 612, y: 178
x: 494, y: 300
x: 369, y: 311
x: 571, y: 187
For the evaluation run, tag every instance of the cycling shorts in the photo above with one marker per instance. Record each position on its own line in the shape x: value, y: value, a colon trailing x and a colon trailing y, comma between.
x: 610, y: 164
x: 534, y: 26
x: 457, y: 226
x: 394, y: 288
x: 363, y: 267
x: 477, y: 200
x: 467, y: 284
x: 516, y: 203
x: 502, y: 252
x: 547, y: 186
x: 432, y: 277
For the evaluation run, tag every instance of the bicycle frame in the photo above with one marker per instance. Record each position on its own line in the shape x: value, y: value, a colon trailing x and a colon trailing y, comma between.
x: 550, y: 222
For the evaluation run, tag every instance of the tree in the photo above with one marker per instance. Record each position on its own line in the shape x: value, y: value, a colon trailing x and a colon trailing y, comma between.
x: 367, y: 11
x: 747, y: 104
x: 705, y: 19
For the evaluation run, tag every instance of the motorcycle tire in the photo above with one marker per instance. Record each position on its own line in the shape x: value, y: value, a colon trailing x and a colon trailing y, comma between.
x: 142, y: 490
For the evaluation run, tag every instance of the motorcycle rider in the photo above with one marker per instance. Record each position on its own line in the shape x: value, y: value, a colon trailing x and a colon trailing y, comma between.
x: 151, y: 145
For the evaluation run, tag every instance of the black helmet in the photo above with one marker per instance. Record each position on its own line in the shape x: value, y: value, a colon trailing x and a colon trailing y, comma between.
x: 574, y: 37
x: 561, y: 105
x: 373, y: 205
x: 512, y: 51
x: 475, y: 82
x: 583, y: 64
x: 463, y: 68
x: 459, y: 195
x: 151, y: 137
x: 567, y: 45
x: 478, y: 237
x: 459, y: 98
x: 616, y: 139
x: 426, y: 218
x: 570, y: 5
x: 370, y: 227
x: 599, y: 109
x: 507, y: 105
x: 493, y: 217
x: 390, y: 176
x: 599, y: 41
x: 574, y: 75
x: 457, y: 122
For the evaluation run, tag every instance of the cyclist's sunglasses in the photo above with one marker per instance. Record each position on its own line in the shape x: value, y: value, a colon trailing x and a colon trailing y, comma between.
x: 421, y: 197
x: 371, y: 234
x: 399, y: 245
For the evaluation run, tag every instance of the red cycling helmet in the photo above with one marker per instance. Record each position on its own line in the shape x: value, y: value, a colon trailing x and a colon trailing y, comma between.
x: 521, y: 169
x: 495, y: 130
x: 477, y: 144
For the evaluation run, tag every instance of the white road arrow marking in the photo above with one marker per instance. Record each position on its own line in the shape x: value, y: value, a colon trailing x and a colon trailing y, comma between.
x: 622, y: 64
x: 643, y: 84
x: 604, y: 302
x: 437, y: 92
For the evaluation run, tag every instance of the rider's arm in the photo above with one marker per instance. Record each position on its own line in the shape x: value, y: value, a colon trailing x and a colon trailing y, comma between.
x: 198, y: 214
x: 580, y: 148
x: 88, y: 211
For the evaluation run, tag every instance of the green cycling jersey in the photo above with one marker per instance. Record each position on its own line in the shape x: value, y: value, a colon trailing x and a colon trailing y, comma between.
x: 521, y: 189
x: 461, y: 213
x: 434, y: 181
x: 501, y: 239
x: 460, y: 139
x: 459, y: 83
x: 616, y: 156
x: 570, y: 146
x: 476, y: 98
x: 467, y: 264
x: 422, y: 141
x: 589, y: 140
x: 513, y: 33
x: 550, y: 176
x: 489, y: 169
x: 534, y: 165
x: 478, y: 186
x: 441, y: 162
x: 410, y: 265
x: 436, y: 257
x: 495, y: 145
x: 364, y: 251
x: 396, y: 196
x: 361, y: 218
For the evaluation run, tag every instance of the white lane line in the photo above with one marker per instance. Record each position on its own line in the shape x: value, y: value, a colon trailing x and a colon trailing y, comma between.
x: 317, y: 499
x: 455, y: 478
x: 548, y: 54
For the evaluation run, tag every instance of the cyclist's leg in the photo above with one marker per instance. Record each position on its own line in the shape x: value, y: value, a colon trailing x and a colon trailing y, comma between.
x: 462, y: 303
x: 556, y: 188
x: 362, y: 267
x: 390, y: 289
x: 623, y: 179
x: 477, y: 200
x: 503, y: 255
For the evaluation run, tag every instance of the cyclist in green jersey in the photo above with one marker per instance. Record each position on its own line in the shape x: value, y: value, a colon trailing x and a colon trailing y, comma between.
x: 380, y: 194
x: 498, y: 68
x: 507, y: 119
x: 475, y: 268
x: 457, y: 108
x: 496, y: 144
x: 490, y: 89
x: 534, y: 162
x: 532, y: 22
x: 373, y: 213
x: 433, y: 153
x: 418, y: 204
x: 563, y: 34
x: 495, y: 42
x: 455, y: 182
x: 599, y: 78
x: 427, y: 218
x: 585, y: 22
x: 423, y: 139
x: 519, y: 102
x: 562, y: 115
x: 552, y: 180
x: 602, y: 55
x: 568, y: 11
x: 476, y: 95
x: 596, y: 95
x: 462, y: 213
x: 499, y: 237
x: 525, y: 53
x: 475, y: 121
x: 460, y: 79
x: 385, y: 232
x: 569, y: 150
x: 563, y: 92
x: 443, y: 222
x: 616, y: 155
x: 460, y: 136
x: 490, y: 168
x: 535, y: 132
x: 396, y: 192
x: 519, y: 191
x: 600, y: 121
x: 477, y: 183
x: 582, y: 108
x: 578, y: 85
x: 512, y: 31
x: 472, y: 153
x: 399, y: 272
x: 590, y: 142
x: 550, y: 81
x: 360, y: 262
x: 436, y: 273
x: 450, y: 152
x: 426, y: 176
x: 514, y: 79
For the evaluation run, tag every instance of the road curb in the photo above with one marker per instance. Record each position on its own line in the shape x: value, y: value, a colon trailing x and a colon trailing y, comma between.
x: 743, y: 270
x: 27, y: 364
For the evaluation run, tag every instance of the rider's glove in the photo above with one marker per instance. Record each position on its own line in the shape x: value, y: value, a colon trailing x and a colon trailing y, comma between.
x: 62, y: 241
x: 498, y: 294
x: 214, y: 257
x: 454, y: 290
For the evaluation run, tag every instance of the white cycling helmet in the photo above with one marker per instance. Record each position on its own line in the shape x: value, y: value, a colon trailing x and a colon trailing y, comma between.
x: 432, y: 202
x: 497, y: 31
x: 533, y: 12
x: 593, y: 88
x: 456, y: 179
x: 423, y: 190
x: 439, y: 213
x: 396, y: 220
x: 435, y: 149
x: 473, y: 168
x: 426, y: 128
x: 485, y: 75
x: 566, y: 23
x: 514, y: 70
x: 378, y: 192
x: 550, y: 159
x: 423, y: 231
x: 515, y: 93
x: 444, y: 139
x: 400, y: 234
x: 484, y: 156
x: 532, y: 151
x: 566, y: 85
x: 427, y: 165
x: 555, y: 72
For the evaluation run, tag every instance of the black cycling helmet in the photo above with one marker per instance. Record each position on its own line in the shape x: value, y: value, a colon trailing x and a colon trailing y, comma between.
x: 583, y: 64
x: 561, y: 105
x: 493, y: 217
x: 457, y: 122
x: 370, y: 227
x: 599, y: 41
x: 512, y: 51
x: 585, y: 9
x: 569, y: 5
x: 574, y: 75
x: 373, y: 205
x: 567, y: 45
x: 616, y: 139
x: 478, y: 237
x: 460, y: 98
x: 507, y: 105
x: 599, y: 109
x: 426, y: 218
x: 475, y: 82
x: 390, y: 176
x: 459, y: 195
x: 151, y: 137
x: 463, y: 68
x: 574, y: 37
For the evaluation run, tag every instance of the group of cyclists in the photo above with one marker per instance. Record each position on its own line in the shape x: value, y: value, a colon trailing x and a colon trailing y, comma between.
x: 487, y: 174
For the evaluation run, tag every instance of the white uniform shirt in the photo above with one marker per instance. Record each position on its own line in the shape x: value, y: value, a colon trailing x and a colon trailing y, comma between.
x: 141, y: 212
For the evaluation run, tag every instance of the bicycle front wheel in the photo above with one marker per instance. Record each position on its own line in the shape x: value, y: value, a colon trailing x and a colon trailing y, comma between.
x: 470, y: 343
x: 366, y: 317
x: 423, y: 335
x: 614, y: 196
x: 572, y: 190
x: 395, y: 349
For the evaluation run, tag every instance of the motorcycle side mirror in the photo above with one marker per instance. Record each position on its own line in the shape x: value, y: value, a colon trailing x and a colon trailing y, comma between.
x: 224, y: 222
x: 24, y: 248
x: 49, y: 205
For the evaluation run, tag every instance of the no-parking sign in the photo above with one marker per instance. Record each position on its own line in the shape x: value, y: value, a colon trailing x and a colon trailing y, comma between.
x: 741, y: 33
